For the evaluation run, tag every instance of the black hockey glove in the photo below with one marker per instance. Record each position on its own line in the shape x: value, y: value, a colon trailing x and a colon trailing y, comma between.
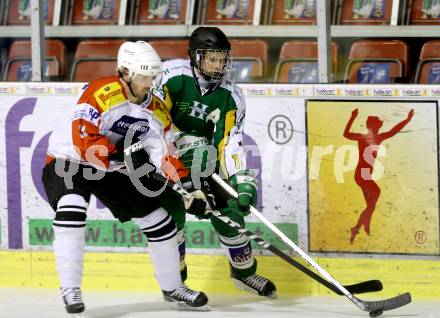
x: 135, y: 156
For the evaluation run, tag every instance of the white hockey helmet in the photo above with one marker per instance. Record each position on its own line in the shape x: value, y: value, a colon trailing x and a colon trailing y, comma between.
x: 139, y: 58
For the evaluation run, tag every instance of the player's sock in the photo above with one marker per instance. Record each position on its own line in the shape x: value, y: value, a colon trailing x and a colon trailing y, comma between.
x: 160, y: 230
x: 239, y: 251
x: 68, y: 244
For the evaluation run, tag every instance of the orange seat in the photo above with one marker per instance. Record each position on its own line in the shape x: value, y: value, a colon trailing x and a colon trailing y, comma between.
x: 249, y: 60
x: 19, y: 64
x: 292, y: 12
x: 298, y: 62
x: 227, y: 12
x: 19, y: 12
x: 365, y: 12
x: 171, y: 49
x: 376, y: 61
x: 428, y: 67
x: 94, y: 59
x: 94, y: 12
x: 422, y: 12
x: 160, y: 12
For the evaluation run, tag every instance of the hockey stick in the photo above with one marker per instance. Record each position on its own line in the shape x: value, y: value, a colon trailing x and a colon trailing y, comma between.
x: 373, y: 307
x: 368, y: 286
x: 363, y: 287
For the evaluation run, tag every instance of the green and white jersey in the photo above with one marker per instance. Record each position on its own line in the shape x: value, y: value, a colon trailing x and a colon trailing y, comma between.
x: 186, y: 109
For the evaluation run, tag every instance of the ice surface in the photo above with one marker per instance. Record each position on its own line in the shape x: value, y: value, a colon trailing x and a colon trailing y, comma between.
x: 36, y: 303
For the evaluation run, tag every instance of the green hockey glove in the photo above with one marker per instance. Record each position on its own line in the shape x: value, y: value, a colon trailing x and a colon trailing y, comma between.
x: 245, y: 184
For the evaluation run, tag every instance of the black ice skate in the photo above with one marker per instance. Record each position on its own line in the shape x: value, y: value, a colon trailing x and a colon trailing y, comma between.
x: 184, y: 298
x: 256, y: 284
x: 72, y: 299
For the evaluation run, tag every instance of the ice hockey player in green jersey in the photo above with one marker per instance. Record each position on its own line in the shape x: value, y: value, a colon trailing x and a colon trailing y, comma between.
x: 205, y: 111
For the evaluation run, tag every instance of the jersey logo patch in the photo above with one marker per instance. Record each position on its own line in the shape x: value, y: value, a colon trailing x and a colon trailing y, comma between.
x: 198, y: 110
x: 109, y: 95
x: 126, y: 123
x: 161, y: 113
x: 86, y: 112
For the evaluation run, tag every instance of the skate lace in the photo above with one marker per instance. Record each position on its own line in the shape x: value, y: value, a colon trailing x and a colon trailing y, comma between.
x: 256, y: 281
x: 185, y: 293
x: 71, y: 295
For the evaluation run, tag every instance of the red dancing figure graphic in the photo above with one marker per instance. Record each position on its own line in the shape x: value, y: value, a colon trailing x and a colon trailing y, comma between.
x: 364, y: 170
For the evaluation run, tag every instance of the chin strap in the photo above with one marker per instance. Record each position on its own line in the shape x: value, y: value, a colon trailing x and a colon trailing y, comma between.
x: 129, y: 87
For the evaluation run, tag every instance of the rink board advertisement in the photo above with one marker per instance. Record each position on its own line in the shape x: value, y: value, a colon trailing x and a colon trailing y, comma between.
x: 275, y: 139
x: 373, y: 176
x: 318, y: 215
x: 29, y: 114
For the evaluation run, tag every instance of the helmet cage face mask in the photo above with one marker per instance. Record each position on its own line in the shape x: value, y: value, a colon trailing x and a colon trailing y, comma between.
x: 212, y: 64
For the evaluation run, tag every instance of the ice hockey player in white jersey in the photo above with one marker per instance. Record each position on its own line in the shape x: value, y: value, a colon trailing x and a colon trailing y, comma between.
x: 105, y: 150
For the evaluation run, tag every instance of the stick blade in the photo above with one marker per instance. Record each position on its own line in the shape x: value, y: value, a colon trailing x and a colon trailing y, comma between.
x: 388, y: 304
x: 364, y: 287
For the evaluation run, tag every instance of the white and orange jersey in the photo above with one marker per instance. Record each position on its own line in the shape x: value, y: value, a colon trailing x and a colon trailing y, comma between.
x: 103, y: 115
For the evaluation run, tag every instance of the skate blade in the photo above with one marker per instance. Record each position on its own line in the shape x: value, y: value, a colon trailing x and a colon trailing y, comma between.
x: 78, y: 315
x: 272, y: 295
x: 185, y: 307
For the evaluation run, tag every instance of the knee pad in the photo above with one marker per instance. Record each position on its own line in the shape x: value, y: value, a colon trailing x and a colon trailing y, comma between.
x: 71, y: 212
x: 157, y: 226
x: 239, y: 251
